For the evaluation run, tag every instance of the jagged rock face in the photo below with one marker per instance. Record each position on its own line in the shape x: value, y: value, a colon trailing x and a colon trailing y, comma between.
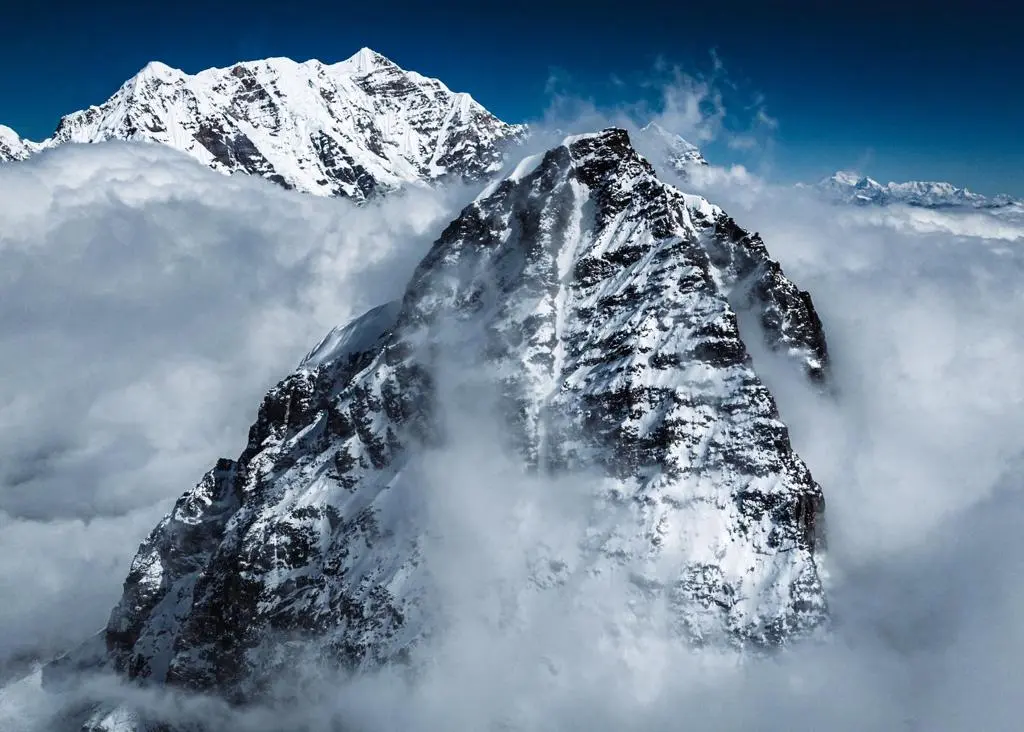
x: 594, y: 300
x: 846, y: 187
x: 755, y: 283
x: 13, y: 147
x: 353, y: 129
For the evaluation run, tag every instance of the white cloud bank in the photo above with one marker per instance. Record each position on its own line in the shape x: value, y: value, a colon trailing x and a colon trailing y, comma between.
x: 147, y: 304
x: 143, y: 326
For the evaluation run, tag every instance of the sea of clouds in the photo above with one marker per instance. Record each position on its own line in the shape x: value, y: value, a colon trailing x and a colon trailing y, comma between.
x: 148, y: 303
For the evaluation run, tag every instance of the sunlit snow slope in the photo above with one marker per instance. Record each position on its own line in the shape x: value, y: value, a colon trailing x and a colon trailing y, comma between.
x: 353, y: 129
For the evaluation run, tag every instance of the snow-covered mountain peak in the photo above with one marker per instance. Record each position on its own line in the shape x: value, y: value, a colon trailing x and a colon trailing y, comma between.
x: 612, y: 147
x: 851, y: 178
x: 597, y: 312
x: 615, y: 173
x: 355, y: 128
x: 366, y: 60
x: 157, y: 70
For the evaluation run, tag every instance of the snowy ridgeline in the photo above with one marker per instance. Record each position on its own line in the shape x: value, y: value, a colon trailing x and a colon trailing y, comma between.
x: 355, y: 128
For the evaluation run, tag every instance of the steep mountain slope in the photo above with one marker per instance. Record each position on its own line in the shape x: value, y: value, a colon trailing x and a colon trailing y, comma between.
x: 849, y: 187
x: 353, y: 128
x: 588, y: 304
x: 13, y: 147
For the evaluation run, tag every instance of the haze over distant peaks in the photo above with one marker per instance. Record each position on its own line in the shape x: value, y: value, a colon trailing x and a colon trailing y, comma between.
x: 354, y: 128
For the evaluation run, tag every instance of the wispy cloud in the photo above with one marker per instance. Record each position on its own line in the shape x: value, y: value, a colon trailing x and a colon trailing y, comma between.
x: 705, y: 107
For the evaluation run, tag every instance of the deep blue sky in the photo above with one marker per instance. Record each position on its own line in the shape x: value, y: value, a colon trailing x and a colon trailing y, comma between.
x: 914, y: 91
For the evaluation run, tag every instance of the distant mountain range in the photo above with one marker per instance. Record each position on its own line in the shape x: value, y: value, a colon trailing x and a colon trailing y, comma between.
x: 365, y: 126
x: 848, y: 187
x: 354, y: 129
